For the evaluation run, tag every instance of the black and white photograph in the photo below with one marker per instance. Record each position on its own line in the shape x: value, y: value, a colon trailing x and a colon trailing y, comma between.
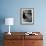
x: 27, y: 15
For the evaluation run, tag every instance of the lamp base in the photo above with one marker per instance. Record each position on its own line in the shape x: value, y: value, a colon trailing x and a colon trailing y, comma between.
x: 9, y: 33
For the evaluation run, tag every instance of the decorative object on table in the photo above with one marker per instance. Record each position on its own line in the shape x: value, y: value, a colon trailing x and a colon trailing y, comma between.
x: 30, y: 33
x: 27, y: 15
x: 9, y: 21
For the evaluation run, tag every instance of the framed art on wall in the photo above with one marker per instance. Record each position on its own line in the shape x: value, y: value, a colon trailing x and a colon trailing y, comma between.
x: 27, y: 15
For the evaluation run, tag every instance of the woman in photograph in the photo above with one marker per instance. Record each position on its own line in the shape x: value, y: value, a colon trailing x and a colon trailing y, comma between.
x: 27, y: 16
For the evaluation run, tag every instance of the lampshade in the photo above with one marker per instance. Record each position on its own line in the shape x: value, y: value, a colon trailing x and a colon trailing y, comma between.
x: 9, y: 21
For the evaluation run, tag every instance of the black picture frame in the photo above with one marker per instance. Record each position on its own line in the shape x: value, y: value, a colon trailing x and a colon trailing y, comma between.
x: 27, y: 16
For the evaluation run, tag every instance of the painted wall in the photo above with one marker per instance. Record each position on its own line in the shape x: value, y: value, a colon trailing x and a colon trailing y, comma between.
x: 11, y: 8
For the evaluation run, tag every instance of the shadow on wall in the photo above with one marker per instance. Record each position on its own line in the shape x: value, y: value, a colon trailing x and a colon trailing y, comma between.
x: 1, y: 39
x: 2, y: 21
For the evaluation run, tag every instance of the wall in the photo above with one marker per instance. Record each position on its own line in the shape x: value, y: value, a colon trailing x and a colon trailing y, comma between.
x: 11, y: 8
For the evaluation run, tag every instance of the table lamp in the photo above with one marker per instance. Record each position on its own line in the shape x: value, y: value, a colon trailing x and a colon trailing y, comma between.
x: 9, y: 21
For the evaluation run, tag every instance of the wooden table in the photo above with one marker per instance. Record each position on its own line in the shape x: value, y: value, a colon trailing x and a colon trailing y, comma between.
x: 20, y: 39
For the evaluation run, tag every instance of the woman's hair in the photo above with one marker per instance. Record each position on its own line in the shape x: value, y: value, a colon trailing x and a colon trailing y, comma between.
x: 24, y: 15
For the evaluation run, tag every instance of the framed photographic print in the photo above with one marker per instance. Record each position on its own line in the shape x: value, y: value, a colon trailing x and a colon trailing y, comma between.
x: 27, y: 15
